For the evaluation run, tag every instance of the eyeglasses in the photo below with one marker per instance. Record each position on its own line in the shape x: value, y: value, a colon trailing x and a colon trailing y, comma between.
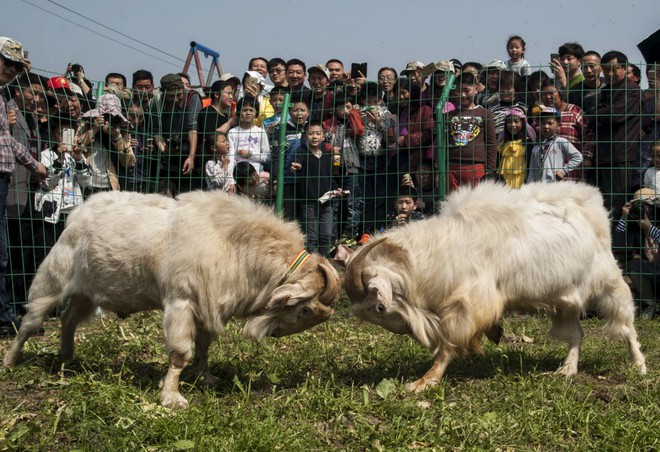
x: 275, y: 71
x: 386, y: 78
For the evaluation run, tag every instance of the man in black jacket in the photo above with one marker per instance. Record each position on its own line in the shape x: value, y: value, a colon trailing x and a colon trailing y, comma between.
x: 618, y: 121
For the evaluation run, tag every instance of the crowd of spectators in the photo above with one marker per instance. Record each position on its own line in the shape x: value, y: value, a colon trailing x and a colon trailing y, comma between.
x: 360, y: 151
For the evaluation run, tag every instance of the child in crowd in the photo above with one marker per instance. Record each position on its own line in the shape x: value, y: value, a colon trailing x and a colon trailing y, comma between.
x: 472, y: 142
x: 505, y: 100
x: 652, y: 174
x: 313, y: 169
x: 513, y: 148
x: 248, y: 142
x: 373, y: 147
x: 342, y: 131
x: 515, y: 47
x: 405, y: 207
x: 424, y: 182
x: 249, y: 183
x: 219, y: 171
x: 277, y: 101
x: 145, y: 171
x: 295, y: 126
x: 61, y: 191
x: 555, y: 156
x: 415, y: 128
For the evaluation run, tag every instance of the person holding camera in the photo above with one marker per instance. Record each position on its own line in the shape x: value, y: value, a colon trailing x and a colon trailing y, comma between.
x: 643, y: 267
x: 76, y: 74
x: 62, y: 190
x: 106, y: 144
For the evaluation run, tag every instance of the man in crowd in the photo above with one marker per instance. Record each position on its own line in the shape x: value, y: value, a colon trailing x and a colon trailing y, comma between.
x: 618, y: 111
x: 12, y: 63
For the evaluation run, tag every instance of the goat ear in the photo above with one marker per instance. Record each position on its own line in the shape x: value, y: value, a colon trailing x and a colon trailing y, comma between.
x: 343, y: 255
x: 289, y: 295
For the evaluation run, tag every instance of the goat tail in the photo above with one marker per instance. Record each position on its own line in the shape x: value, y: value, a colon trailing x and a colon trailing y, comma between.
x: 46, y: 293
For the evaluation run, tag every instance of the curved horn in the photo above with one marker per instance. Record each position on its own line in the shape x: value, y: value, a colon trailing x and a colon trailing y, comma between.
x: 353, y: 274
x: 330, y: 293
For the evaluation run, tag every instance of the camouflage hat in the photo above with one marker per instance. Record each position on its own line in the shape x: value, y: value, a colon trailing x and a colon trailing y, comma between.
x: 319, y: 68
x: 11, y: 49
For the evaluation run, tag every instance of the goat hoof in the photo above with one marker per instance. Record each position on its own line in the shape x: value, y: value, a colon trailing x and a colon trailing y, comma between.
x: 207, y: 379
x: 567, y: 371
x: 419, y: 385
x: 173, y: 400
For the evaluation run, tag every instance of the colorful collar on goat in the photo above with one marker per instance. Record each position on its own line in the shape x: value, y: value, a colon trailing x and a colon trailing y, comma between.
x: 297, y: 261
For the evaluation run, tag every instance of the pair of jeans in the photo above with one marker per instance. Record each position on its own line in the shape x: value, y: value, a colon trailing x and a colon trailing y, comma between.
x: 353, y: 204
x: 645, y: 277
x: 373, y: 181
x: 317, y: 224
x: 7, y: 316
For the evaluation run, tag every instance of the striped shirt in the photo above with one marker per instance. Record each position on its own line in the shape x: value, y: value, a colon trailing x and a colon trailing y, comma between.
x: 11, y: 151
x: 653, y: 234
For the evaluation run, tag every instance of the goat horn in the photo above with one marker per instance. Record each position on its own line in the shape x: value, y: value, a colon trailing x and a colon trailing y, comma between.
x: 353, y: 274
x: 330, y: 293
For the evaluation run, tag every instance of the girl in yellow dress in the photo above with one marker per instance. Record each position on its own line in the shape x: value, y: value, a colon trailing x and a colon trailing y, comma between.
x: 513, y: 148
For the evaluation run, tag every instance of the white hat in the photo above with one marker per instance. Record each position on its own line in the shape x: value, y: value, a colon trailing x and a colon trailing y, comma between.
x: 228, y: 76
x: 495, y: 64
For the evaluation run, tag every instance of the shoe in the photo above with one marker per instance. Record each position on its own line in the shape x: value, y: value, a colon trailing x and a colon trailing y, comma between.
x: 649, y: 313
x: 364, y: 239
x: 348, y: 241
x: 10, y: 330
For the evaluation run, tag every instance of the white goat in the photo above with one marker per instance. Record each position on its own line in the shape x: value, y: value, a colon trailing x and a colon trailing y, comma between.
x: 203, y: 259
x: 448, y: 279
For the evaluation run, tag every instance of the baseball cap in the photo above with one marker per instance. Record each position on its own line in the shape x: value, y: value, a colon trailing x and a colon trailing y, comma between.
x: 171, y: 81
x: 549, y: 111
x: 456, y: 62
x: 412, y: 66
x: 228, y: 76
x: 59, y: 83
x: 319, y: 68
x: 11, y: 50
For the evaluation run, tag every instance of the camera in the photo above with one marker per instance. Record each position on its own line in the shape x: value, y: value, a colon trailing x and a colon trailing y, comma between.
x: 640, y: 208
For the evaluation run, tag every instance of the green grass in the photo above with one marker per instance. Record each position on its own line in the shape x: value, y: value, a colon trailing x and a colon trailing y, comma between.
x: 336, y: 387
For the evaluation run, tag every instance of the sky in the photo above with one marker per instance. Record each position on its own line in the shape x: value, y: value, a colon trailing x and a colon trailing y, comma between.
x: 124, y: 36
